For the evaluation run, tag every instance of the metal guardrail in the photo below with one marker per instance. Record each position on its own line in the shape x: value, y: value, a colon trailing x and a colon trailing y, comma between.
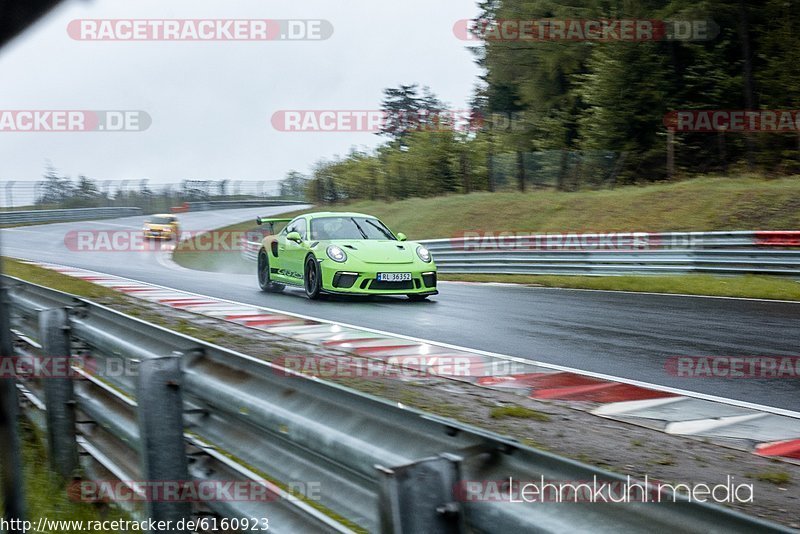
x: 380, y: 466
x: 741, y: 252
x: 40, y: 216
x: 233, y: 204
x: 611, y: 241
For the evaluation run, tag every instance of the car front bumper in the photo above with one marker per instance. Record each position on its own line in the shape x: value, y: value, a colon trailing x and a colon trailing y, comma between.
x: 158, y: 234
x: 154, y: 235
x: 338, y: 278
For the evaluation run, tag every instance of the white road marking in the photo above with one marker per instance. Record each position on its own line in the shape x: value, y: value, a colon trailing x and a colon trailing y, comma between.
x: 700, y: 426
x: 624, y: 407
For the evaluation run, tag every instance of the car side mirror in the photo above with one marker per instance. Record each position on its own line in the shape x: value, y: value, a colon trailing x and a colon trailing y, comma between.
x: 294, y: 236
x: 401, y: 236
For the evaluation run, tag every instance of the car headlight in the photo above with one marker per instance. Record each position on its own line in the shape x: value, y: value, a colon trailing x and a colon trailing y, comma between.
x: 336, y: 254
x: 424, y: 254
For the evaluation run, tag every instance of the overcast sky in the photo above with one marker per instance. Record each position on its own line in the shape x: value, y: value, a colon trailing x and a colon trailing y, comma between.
x: 211, y: 102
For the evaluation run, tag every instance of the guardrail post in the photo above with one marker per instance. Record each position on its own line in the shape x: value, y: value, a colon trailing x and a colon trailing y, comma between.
x: 59, y: 397
x: 419, y: 497
x: 11, y: 480
x: 163, y: 451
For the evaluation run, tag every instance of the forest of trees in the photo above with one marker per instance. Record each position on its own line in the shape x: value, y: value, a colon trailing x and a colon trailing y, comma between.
x: 59, y: 191
x: 573, y: 114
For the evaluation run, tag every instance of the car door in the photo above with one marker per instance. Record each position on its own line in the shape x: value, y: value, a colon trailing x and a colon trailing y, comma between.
x: 291, y: 254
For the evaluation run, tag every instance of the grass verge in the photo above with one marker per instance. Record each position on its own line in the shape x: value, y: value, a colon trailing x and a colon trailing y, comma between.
x: 45, y: 492
x: 779, y: 478
x: 190, y: 253
x: 52, y: 279
x: 519, y: 412
x: 702, y: 204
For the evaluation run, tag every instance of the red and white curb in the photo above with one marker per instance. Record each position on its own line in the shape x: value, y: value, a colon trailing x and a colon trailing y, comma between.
x: 763, y: 430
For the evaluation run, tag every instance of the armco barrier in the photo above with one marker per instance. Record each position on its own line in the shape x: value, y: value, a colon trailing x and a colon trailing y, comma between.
x: 740, y: 252
x: 381, y: 467
x: 235, y: 204
x: 777, y: 239
x: 42, y: 216
x: 183, y: 208
x: 735, y: 252
x: 232, y: 204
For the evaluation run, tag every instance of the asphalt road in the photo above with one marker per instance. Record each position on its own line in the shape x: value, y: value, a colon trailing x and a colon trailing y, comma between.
x: 621, y: 334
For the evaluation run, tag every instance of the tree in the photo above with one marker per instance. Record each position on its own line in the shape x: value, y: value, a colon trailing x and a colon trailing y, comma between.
x: 625, y: 97
x: 777, y: 79
x: 406, y: 111
x: 55, y: 189
x: 86, y: 189
x: 294, y: 185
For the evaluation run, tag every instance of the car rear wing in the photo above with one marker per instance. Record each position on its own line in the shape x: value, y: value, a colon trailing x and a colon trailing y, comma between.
x: 271, y: 222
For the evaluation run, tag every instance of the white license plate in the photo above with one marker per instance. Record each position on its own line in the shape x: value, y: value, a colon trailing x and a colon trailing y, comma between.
x: 394, y: 277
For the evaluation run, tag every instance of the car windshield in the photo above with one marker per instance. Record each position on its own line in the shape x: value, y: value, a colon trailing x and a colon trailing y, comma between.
x: 327, y: 228
x: 160, y: 220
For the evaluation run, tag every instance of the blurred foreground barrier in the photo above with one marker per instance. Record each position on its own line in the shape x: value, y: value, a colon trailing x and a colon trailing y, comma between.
x: 313, y: 456
x: 78, y: 214
x: 617, y: 253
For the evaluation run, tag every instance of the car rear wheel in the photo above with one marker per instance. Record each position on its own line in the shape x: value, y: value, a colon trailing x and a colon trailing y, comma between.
x: 264, y: 280
x: 312, y: 279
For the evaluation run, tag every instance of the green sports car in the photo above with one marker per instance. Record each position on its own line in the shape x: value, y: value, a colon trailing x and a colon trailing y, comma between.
x: 344, y: 253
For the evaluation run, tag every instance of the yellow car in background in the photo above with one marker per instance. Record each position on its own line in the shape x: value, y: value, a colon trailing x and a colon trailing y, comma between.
x: 162, y: 226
